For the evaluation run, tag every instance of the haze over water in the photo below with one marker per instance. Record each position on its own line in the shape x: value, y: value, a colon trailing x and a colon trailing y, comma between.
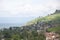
x: 22, y: 11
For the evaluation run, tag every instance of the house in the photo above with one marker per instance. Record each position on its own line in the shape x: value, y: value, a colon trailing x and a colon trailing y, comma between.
x: 2, y: 39
x: 52, y: 36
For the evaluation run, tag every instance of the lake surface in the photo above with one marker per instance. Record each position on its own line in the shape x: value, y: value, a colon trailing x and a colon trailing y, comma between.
x: 7, y: 25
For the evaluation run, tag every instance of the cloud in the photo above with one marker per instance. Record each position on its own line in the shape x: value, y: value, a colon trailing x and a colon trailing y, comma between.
x: 27, y: 8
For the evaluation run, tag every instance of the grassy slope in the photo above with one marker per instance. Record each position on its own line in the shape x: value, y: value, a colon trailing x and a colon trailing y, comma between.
x: 54, y: 17
x: 54, y: 29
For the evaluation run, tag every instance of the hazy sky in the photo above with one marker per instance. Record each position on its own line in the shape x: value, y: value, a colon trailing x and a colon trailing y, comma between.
x: 26, y: 8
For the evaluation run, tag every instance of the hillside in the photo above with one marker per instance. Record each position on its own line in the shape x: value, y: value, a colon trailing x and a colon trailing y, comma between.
x: 54, y: 29
x: 33, y: 30
x: 50, y: 21
x: 55, y: 18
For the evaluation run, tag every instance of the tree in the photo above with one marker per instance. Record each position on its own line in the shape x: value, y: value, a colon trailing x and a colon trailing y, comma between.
x: 16, y: 37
